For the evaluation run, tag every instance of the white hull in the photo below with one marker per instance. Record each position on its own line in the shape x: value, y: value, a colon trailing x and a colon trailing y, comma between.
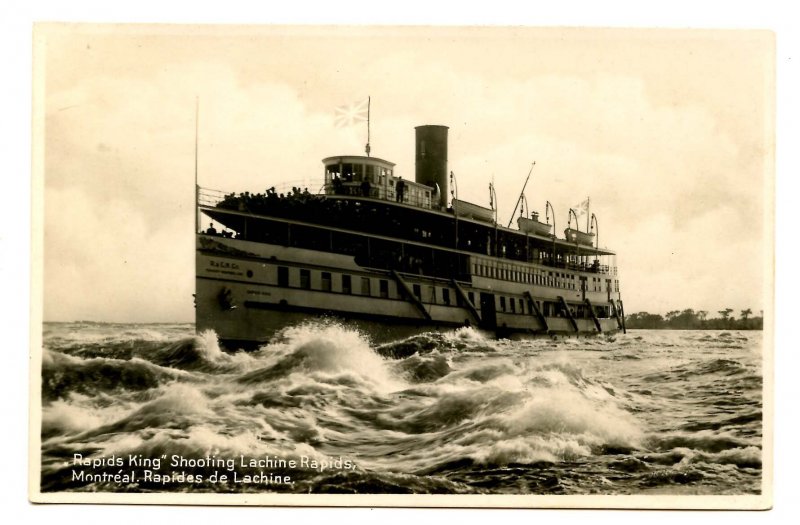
x: 248, y: 291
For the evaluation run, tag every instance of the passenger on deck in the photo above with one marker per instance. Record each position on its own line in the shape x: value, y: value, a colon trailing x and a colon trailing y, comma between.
x: 400, y: 189
x: 211, y: 230
x: 365, y: 187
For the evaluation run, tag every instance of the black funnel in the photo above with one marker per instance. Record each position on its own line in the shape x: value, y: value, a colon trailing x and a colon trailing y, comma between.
x: 431, y: 160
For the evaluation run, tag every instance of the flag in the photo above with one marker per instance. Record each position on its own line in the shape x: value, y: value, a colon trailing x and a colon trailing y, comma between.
x: 349, y: 114
x: 582, y: 208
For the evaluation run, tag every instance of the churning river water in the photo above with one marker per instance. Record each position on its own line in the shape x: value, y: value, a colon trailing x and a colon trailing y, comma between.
x: 143, y: 408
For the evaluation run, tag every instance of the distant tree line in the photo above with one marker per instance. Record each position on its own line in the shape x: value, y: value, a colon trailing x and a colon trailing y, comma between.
x: 690, y: 320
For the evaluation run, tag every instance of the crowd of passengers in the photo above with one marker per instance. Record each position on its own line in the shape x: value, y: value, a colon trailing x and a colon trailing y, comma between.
x: 302, y: 205
x: 262, y: 202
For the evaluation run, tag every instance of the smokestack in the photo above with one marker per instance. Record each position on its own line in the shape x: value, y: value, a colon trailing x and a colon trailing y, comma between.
x: 431, y: 159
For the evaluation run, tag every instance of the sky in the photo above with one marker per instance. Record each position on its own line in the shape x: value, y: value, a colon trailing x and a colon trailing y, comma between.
x: 669, y: 132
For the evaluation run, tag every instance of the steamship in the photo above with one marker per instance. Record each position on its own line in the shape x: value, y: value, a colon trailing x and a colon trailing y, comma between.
x: 392, y: 257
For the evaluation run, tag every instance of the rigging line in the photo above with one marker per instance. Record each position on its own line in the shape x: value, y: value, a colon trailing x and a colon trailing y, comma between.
x: 521, y: 195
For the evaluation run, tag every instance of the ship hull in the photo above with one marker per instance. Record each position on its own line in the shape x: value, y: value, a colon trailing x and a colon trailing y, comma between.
x: 248, y: 292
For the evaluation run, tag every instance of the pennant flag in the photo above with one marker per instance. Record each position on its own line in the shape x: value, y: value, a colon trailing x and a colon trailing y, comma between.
x: 351, y: 113
x: 582, y: 208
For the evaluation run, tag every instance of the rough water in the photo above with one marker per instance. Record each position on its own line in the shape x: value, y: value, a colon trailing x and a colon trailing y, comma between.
x: 135, y: 408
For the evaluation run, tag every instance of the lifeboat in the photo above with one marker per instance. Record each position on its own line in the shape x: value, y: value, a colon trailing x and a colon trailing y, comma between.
x: 533, y: 226
x: 579, y: 237
x: 472, y: 211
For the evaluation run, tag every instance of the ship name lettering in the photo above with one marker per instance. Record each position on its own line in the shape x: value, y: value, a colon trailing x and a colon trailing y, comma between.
x: 223, y: 264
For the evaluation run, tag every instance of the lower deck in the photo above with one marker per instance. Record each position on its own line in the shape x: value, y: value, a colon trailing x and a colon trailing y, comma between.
x: 247, y: 291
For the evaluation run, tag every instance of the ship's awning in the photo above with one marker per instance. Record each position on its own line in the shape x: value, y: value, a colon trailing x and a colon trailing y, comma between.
x: 235, y: 220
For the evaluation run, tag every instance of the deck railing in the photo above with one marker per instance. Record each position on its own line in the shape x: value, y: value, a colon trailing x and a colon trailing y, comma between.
x: 209, y: 197
x: 378, y: 192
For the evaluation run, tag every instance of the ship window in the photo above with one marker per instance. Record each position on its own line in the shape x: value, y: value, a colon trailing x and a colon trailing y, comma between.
x: 418, y: 291
x: 513, y: 305
x: 326, y: 282
x: 305, y: 279
x: 384, y: 288
x: 332, y: 169
x: 521, y: 307
x: 283, y: 276
x: 347, y: 172
x: 358, y: 172
x: 365, y: 286
x: 471, y: 297
x: 446, y: 296
x: 503, y: 303
x: 347, y: 285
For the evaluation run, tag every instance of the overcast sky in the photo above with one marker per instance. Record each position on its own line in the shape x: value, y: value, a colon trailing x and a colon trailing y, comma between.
x: 668, y: 132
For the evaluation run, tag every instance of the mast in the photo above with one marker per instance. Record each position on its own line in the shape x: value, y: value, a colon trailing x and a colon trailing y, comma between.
x: 454, y: 194
x: 196, y: 186
x: 495, y: 207
x: 369, y: 103
x: 588, y: 213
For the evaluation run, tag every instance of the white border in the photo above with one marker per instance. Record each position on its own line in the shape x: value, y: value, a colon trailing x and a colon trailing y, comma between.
x: 15, y: 26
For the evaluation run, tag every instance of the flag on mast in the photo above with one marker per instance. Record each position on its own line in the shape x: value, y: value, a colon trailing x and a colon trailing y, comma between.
x: 350, y: 114
x: 582, y: 208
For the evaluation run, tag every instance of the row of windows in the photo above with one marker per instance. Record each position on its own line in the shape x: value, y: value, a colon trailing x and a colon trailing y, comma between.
x: 427, y: 294
x: 355, y: 285
x: 356, y: 173
x: 537, y: 277
x: 525, y: 275
x: 326, y: 282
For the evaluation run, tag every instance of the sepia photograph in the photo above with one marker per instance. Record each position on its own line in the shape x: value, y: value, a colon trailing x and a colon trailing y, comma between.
x: 447, y: 266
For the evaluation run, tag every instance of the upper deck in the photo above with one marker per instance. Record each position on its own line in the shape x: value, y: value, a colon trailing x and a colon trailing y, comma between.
x: 364, y: 196
x: 254, y: 216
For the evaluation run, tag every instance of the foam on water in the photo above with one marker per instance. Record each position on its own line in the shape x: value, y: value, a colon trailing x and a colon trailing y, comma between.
x: 451, y: 411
